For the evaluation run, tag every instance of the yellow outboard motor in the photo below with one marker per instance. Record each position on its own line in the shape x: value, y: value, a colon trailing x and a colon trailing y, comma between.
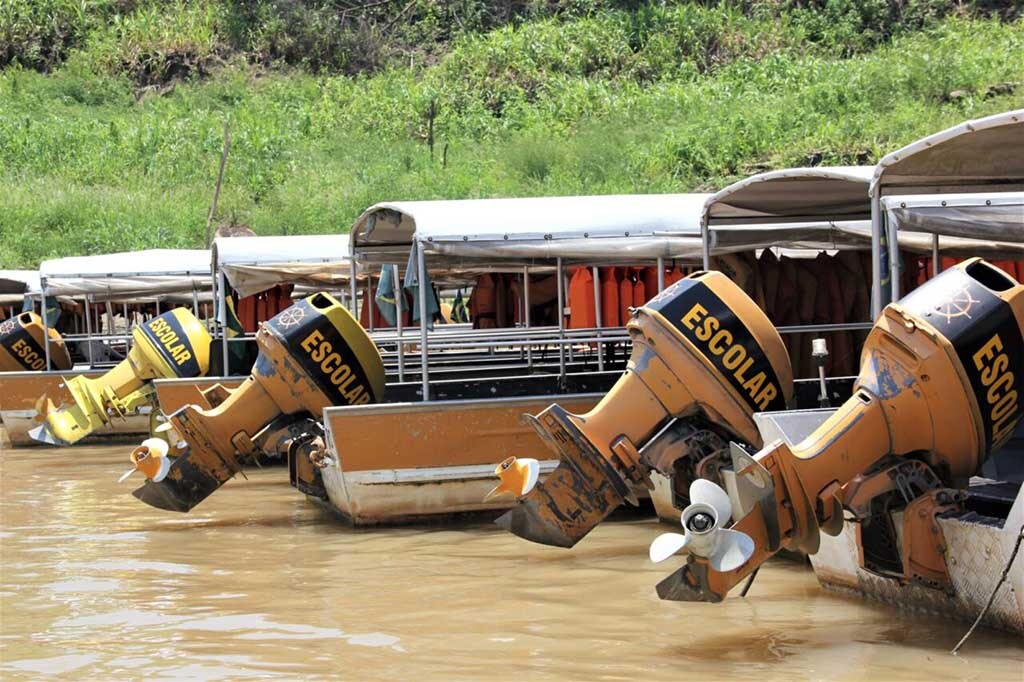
x: 704, y: 359
x: 22, y: 348
x: 940, y: 387
x: 172, y: 345
x: 312, y: 355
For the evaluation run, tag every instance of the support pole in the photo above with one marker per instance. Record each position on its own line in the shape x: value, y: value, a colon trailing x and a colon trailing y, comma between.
x: 705, y: 242
x: 88, y: 329
x: 894, y: 261
x: 561, y: 319
x: 353, y: 270
x: 372, y: 304
x: 421, y: 263
x: 399, y: 306
x: 222, y: 316
x: 876, y: 259
x: 596, y: 276
x: 128, y: 326
x: 661, y: 274
x: 526, y: 313
x: 46, y: 326
x: 936, y: 259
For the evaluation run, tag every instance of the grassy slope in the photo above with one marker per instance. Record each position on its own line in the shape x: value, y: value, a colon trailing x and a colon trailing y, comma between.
x: 602, y: 104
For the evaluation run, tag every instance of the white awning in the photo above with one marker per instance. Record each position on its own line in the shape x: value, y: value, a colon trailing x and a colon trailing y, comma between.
x: 19, y: 282
x: 981, y: 224
x: 254, y: 264
x: 509, y: 232
x: 135, y: 274
x: 976, y: 154
x: 794, y: 195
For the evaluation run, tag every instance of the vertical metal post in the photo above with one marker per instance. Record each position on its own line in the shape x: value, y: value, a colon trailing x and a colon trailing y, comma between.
x: 596, y: 276
x: 661, y: 274
x: 46, y: 324
x: 705, y: 241
x: 421, y: 264
x: 88, y: 328
x: 399, y: 306
x: 157, y: 308
x: 936, y: 259
x: 565, y: 289
x: 526, y: 313
x: 369, y: 302
x: 353, y: 269
x: 214, y: 273
x: 128, y: 326
x: 195, y: 301
x: 221, y: 307
x: 894, y: 259
x: 876, y: 258
x: 560, y: 295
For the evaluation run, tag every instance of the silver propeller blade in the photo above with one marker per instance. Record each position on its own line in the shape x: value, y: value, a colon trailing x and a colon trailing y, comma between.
x: 703, y: 491
x: 667, y: 544
x: 42, y: 434
x: 732, y: 549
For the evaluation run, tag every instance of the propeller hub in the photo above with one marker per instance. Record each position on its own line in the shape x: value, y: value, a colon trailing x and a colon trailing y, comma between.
x: 700, y: 522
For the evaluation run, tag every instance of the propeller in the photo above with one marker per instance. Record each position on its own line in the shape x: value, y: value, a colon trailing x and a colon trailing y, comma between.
x: 704, y: 532
x: 150, y: 459
x: 518, y: 477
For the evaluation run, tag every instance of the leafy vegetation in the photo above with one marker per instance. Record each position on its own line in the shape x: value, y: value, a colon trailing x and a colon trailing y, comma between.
x: 112, y: 111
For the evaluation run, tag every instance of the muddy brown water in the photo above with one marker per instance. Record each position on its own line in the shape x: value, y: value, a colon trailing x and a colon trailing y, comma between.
x: 258, y: 583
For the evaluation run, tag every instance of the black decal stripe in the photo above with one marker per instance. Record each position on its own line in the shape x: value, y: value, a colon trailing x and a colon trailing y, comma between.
x: 294, y: 325
x: 969, y: 315
x: 676, y: 301
x: 191, y: 367
x: 22, y: 334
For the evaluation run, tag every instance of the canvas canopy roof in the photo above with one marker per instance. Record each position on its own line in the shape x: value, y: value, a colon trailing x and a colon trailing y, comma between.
x: 254, y: 264
x: 16, y: 284
x: 977, y: 154
x: 19, y: 282
x: 505, y: 232
x: 794, y: 195
x: 801, y: 208
x: 135, y: 274
x: 988, y: 224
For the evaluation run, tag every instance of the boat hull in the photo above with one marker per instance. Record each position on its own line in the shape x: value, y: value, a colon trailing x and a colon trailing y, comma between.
x: 19, y: 392
x: 978, y: 549
x: 405, y: 462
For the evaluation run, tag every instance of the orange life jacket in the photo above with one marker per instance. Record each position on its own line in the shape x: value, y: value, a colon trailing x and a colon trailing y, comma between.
x: 582, y: 312
x: 610, y: 297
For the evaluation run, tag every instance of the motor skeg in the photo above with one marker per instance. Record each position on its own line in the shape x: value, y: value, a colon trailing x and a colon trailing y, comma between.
x: 312, y: 355
x: 940, y: 388
x: 22, y: 347
x: 701, y: 349
x: 173, y: 345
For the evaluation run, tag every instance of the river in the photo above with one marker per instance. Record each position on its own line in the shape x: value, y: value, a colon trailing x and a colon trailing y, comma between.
x: 258, y: 583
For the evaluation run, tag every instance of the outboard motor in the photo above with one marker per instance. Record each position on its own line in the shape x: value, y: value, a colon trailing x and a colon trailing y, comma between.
x: 312, y: 355
x: 939, y: 389
x: 22, y: 347
x: 704, y: 359
x: 169, y: 346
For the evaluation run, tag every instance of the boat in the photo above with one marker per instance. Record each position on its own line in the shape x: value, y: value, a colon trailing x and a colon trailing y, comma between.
x: 121, y: 285
x: 940, y: 546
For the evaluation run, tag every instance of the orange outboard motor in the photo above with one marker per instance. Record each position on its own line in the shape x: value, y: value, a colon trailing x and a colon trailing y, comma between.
x: 940, y: 387
x: 22, y: 348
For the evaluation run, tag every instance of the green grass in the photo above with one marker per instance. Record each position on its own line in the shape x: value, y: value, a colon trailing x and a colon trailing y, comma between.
x: 599, y: 100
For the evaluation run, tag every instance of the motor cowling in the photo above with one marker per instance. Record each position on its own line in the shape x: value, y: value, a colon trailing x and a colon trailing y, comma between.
x: 940, y: 387
x: 312, y: 355
x: 173, y: 345
x: 22, y: 345
x: 702, y: 351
